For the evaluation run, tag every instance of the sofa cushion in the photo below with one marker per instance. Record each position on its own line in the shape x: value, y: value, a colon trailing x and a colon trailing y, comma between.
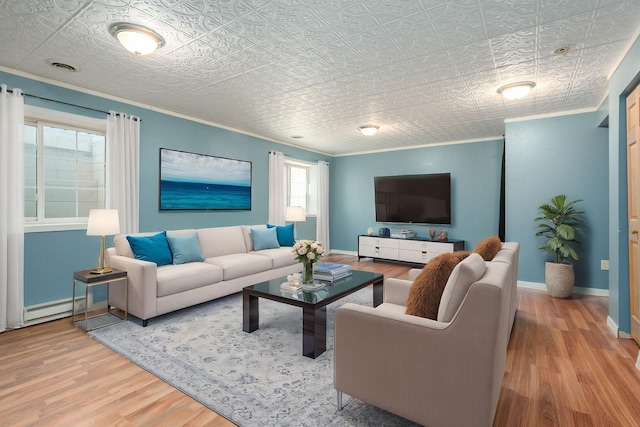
x: 264, y: 239
x: 426, y: 290
x: 218, y: 241
x: 151, y: 248
x: 285, y: 234
x: 239, y: 265
x: 246, y: 233
x: 280, y: 257
x: 488, y: 248
x: 173, y: 279
x: 467, y: 272
x: 185, y: 248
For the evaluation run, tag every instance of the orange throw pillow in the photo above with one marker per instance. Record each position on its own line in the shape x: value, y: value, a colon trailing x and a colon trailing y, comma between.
x: 426, y: 290
x: 488, y: 248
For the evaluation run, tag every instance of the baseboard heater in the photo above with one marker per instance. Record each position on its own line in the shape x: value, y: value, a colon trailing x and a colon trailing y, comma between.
x: 52, y: 310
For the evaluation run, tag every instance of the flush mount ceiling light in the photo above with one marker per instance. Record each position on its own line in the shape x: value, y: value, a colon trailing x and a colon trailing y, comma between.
x: 136, y: 38
x: 515, y: 91
x: 368, y: 130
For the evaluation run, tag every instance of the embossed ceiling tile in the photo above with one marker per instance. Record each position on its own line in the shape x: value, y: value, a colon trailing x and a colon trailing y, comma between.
x: 508, y: 16
x: 553, y: 10
x: 472, y: 58
x: 514, y: 48
x: 565, y: 32
x: 457, y: 23
x: 614, y: 23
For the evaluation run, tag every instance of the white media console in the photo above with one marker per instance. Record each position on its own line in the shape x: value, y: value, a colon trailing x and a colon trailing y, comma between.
x: 414, y: 251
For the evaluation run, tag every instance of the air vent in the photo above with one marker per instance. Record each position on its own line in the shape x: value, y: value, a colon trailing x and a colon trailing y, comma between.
x: 297, y: 136
x: 62, y: 66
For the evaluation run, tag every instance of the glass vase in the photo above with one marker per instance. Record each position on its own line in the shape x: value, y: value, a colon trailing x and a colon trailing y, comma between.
x: 307, y: 272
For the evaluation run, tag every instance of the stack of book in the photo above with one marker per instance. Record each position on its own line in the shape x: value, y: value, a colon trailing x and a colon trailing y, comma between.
x: 331, y: 271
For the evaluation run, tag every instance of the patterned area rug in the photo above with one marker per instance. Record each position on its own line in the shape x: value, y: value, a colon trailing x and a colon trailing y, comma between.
x: 252, y: 379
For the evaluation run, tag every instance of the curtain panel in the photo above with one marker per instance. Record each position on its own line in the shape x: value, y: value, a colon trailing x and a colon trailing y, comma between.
x: 123, y: 169
x: 322, y: 221
x: 276, y: 188
x: 11, y: 208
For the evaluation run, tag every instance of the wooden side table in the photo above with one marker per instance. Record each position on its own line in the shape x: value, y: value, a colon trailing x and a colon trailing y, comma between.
x: 80, y: 316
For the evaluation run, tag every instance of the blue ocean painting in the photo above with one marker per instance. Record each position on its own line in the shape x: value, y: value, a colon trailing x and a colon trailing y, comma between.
x: 191, y: 181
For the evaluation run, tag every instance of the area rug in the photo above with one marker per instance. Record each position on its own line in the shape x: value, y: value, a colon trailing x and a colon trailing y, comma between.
x: 252, y: 379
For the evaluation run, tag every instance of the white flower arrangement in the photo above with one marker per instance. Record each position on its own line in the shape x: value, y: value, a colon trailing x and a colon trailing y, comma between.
x: 307, y: 251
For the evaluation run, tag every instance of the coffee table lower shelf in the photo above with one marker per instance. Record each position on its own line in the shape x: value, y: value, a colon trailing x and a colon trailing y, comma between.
x: 314, y: 305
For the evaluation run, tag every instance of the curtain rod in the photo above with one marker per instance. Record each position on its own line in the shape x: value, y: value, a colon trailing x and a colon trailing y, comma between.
x: 70, y: 104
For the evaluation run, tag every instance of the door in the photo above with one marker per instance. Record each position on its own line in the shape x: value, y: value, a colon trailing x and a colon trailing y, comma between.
x: 633, y: 188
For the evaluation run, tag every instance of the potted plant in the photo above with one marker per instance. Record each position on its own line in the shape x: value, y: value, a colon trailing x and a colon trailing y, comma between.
x: 559, y: 221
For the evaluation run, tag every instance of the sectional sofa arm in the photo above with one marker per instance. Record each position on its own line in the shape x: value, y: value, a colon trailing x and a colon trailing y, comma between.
x: 142, y: 284
x: 396, y: 291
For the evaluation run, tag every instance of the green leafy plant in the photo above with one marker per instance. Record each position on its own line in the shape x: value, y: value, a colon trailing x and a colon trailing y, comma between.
x: 558, y: 222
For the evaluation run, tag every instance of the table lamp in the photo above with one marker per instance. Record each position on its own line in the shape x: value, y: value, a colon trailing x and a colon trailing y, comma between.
x: 103, y: 222
x: 295, y: 214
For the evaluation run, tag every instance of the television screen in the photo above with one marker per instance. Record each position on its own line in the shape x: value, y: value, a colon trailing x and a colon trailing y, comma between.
x: 423, y: 199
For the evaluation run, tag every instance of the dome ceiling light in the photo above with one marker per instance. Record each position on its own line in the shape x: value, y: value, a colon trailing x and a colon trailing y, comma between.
x: 517, y: 90
x: 136, y: 38
x: 368, y: 130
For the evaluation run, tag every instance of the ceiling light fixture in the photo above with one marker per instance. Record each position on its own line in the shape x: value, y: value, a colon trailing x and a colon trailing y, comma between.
x: 368, y: 130
x: 136, y: 38
x: 515, y: 91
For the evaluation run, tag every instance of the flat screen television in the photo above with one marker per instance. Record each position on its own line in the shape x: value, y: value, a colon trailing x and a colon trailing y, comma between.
x: 418, y: 199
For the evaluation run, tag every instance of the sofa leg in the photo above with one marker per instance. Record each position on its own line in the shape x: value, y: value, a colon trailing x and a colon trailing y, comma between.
x: 339, y: 400
x: 145, y: 322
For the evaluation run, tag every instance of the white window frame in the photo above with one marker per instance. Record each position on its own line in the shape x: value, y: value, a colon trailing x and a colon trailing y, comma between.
x: 69, y: 121
x: 312, y: 184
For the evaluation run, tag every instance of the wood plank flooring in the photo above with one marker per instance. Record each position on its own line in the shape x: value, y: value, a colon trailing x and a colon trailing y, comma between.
x: 564, y: 368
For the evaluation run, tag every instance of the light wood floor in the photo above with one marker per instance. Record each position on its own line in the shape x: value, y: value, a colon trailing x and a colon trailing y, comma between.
x: 564, y: 368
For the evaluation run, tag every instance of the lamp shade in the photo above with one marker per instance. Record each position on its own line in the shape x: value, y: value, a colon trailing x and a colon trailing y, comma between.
x: 295, y: 214
x: 103, y: 222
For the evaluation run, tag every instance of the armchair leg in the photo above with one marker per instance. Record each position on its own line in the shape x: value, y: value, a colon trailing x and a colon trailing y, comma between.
x: 339, y: 400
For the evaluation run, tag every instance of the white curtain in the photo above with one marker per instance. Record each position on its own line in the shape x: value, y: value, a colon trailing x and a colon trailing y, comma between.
x: 11, y: 209
x: 276, y: 188
x: 322, y: 220
x: 123, y: 169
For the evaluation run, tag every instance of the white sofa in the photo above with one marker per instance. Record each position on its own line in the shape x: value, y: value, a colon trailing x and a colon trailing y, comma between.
x: 444, y: 372
x: 230, y: 263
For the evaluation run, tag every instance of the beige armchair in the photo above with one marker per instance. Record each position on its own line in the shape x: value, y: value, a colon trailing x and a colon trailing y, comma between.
x: 434, y: 372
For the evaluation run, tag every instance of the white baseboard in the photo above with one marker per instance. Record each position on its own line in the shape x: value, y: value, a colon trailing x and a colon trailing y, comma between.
x: 576, y: 289
x: 638, y: 362
x: 341, y: 252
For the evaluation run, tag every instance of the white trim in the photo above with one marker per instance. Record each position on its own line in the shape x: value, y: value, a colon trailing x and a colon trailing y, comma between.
x: 551, y: 115
x: 624, y: 54
x: 613, y: 327
x: 413, y: 147
x: 576, y: 289
x: 64, y: 119
x: 341, y: 252
x: 52, y: 226
x: 638, y: 361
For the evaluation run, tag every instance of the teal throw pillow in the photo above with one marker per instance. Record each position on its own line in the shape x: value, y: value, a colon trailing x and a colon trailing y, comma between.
x: 151, y: 248
x: 285, y: 234
x: 185, y: 248
x: 265, y: 238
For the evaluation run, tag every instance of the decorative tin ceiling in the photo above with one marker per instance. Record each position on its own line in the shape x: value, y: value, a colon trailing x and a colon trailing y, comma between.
x: 425, y: 71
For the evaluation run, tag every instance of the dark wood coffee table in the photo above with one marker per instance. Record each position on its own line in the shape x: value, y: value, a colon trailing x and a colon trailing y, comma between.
x: 313, y: 303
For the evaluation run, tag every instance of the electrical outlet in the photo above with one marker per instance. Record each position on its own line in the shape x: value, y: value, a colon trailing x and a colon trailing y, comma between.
x: 604, y: 264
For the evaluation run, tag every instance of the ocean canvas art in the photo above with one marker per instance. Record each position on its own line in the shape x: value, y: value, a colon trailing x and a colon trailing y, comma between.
x: 191, y: 181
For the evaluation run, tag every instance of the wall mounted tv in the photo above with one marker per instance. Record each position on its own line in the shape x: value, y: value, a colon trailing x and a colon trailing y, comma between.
x: 421, y: 199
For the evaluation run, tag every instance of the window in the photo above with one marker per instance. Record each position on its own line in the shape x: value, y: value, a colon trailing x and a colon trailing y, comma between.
x: 301, y: 185
x: 64, y: 170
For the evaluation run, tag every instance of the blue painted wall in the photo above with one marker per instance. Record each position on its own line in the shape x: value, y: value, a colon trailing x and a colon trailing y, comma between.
x: 550, y: 156
x: 52, y: 257
x: 622, y: 82
x: 475, y: 181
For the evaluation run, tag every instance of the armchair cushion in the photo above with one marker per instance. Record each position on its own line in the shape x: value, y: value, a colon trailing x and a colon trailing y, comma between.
x: 426, y: 291
x: 488, y: 248
x: 462, y: 277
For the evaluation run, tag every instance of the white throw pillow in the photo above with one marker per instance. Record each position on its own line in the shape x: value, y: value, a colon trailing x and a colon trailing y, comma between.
x: 467, y: 272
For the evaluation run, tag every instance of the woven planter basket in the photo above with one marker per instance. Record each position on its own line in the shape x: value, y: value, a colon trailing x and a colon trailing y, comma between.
x: 559, y: 279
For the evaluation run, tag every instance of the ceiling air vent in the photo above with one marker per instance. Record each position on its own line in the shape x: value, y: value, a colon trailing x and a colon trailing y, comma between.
x: 62, y: 66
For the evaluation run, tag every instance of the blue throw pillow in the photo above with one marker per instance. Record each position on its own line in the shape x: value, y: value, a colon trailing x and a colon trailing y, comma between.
x: 264, y: 238
x: 285, y: 234
x: 151, y: 248
x: 185, y: 248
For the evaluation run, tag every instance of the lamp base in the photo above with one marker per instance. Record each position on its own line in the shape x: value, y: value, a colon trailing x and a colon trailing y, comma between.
x: 102, y: 270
